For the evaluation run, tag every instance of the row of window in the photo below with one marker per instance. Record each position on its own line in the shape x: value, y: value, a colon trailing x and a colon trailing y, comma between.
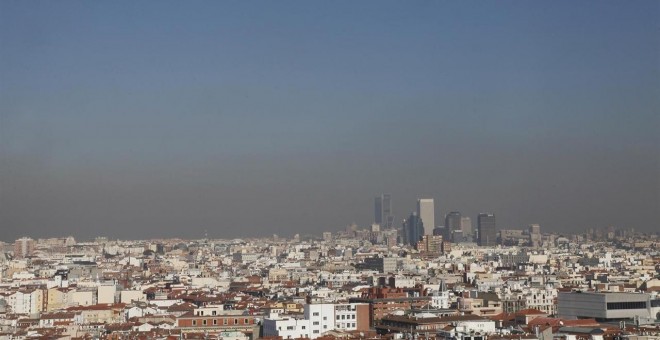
x: 224, y: 322
x: 626, y: 305
x: 345, y: 325
x: 291, y: 328
x: 344, y: 317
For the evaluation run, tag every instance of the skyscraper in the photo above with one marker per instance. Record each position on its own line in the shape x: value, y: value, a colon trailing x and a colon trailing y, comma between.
x: 487, y: 229
x: 413, y: 229
x: 383, y: 211
x: 453, y: 224
x: 378, y: 210
x: 453, y: 220
x: 426, y: 211
x: 535, y: 235
x: 466, y: 226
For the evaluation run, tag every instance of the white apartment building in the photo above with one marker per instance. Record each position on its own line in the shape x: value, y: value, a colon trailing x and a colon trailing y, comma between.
x: 469, y: 329
x: 25, y: 301
x: 318, y: 319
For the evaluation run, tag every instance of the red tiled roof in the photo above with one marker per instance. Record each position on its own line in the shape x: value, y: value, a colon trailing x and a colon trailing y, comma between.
x: 530, y: 311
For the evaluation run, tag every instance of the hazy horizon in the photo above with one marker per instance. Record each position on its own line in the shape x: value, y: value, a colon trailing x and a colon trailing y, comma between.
x: 139, y: 120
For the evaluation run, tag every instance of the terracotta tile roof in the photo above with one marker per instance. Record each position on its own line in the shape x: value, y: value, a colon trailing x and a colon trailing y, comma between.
x: 530, y: 311
x: 502, y: 317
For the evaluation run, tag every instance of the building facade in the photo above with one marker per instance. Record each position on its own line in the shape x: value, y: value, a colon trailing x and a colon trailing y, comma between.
x: 23, y: 247
x: 426, y: 212
x: 383, y: 211
x: 487, y: 229
x: 413, y: 229
x: 614, y: 306
x: 453, y: 225
x: 318, y: 319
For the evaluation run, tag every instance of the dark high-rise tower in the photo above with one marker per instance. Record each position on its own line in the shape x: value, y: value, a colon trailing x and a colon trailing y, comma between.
x: 413, y: 229
x: 383, y: 211
x: 453, y: 225
x: 378, y: 210
x: 487, y: 229
x: 453, y: 221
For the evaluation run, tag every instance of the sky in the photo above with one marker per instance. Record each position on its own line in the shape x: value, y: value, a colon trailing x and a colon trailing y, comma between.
x: 150, y: 119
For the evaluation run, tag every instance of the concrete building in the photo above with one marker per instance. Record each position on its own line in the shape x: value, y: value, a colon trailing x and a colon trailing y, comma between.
x: 466, y: 226
x: 487, y: 230
x: 426, y: 212
x: 453, y: 224
x: 106, y: 293
x: 318, y: 319
x: 604, y: 306
x: 431, y: 245
x: 543, y: 300
x: 23, y: 247
x: 535, y: 235
x: 383, y: 211
x: 417, y: 327
x: 383, y: 301
x: 58, y: 298
x: 82, y: 297
x: 25, y: 301
x: 440, y: 297
x: 413, y: 229
x: 381, y: 264
x: 215, y: 321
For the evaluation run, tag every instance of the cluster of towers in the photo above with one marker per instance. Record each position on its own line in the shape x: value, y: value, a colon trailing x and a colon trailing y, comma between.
x: 457, y: 228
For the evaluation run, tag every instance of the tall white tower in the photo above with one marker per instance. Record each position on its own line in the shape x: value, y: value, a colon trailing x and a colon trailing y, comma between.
x: 426, y: 211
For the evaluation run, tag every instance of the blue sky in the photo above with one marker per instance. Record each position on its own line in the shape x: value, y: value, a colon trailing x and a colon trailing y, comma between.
x: 149, y: 118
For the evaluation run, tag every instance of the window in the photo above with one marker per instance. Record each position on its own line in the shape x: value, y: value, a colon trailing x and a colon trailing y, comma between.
x: 343, y: 317
x: 215, y: 321
x: 224, y: 321
x: 289, y: 328
x: 303, y: 327
x: 214, y: 313
x: 204, y: 322
x: 353, y: 316
x: 246, y: 321
x: 337, y: 317
x: 194, y: 322
x: 316, y: 323
x: 316, y: 331
x: 353, y: 324
x: 235, y: 321
x: 626, y: 305
x: 325, y: 318
x: 325, y: 326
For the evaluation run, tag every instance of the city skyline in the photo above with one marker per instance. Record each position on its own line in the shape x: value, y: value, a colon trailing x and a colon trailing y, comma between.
x: 247, y: 119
